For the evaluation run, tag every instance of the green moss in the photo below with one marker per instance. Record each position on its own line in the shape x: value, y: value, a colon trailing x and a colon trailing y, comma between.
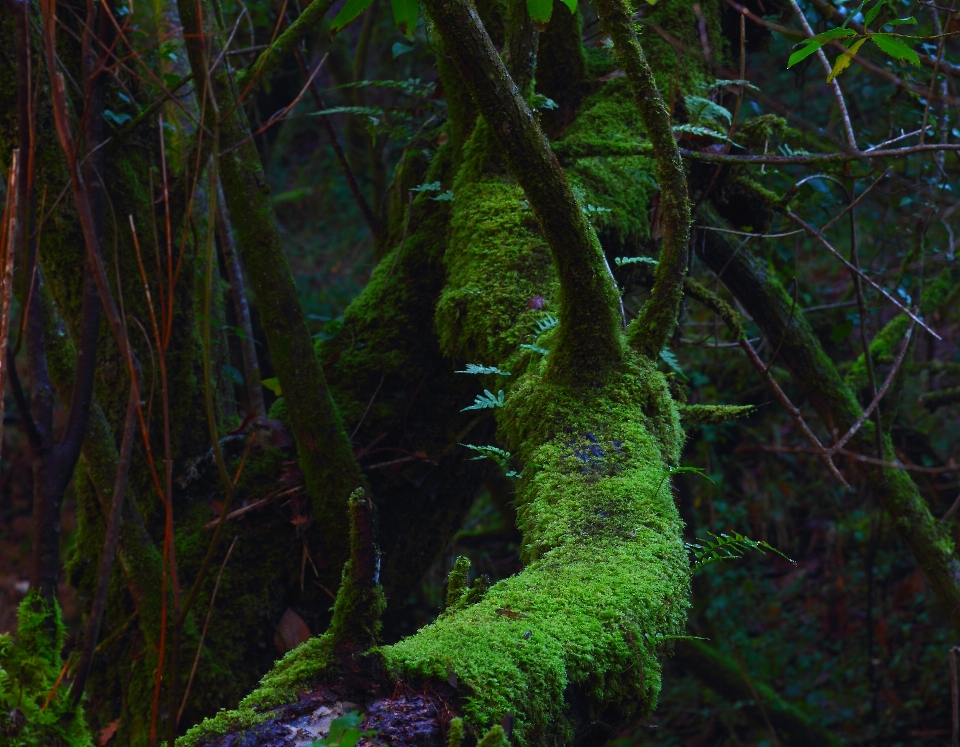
x: 496, y: 737
x: 693, y: 415
x: 455, y: 732
x: 31, y: 713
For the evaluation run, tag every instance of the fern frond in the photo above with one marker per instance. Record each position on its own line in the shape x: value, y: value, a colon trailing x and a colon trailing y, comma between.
x: 620, y: 261
x: 726, y: 547
x: 476, y: 368
x: 548, y: 322
x: 486, y: 400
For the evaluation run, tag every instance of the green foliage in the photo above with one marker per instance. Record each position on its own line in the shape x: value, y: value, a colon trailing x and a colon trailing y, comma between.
x: 889, y: 43
x: 344, y: 731
x: 486, y: 400
x: 33, y: 709
x: 731, y: 546
x: 500, y: 456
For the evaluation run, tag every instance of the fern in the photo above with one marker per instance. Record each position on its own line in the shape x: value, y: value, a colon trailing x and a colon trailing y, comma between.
x: 476, y: 368
x: 486, y: 400
x: 670, y: 471
x: 534, y: 348
x: 670, y: 358
x: 620, y: 261
x: 726, y: 547
x: 548, y: 322
x: 500, y: 456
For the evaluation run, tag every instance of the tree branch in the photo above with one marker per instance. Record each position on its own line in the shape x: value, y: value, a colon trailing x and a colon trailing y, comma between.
x: 589, y: 305
x: 650, y: 331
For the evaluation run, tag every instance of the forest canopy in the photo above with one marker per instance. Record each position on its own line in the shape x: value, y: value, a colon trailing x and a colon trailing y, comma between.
x: 479, y: 372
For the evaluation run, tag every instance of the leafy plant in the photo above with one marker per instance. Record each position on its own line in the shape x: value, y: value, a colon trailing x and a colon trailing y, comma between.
x: 670, y: 471
x: 726, y: 547
x: 888, y: 43
x: 500, y: 456
x: 486, y: 400
x: 344, y: 732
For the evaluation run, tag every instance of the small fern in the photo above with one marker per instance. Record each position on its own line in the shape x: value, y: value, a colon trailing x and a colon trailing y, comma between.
x: 670, y: 358
x: 726, y: 547
x: 534, y: 348
x: 548, y: 322
x: 670, y: 471
x: 476, y: 368
x: 486, y: 400
x: 500, y: 456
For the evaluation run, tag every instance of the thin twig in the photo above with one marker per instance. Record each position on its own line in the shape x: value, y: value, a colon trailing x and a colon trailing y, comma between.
x: 837, y: 447
x: 793, y: 411
x: 818, y: 157
x: 92, y: 632
x: 203, y: 633
x: 822, y: 239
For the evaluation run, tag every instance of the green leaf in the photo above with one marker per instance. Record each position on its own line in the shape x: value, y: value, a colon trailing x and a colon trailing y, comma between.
x: 895, y: 48
x: 273, y: 385
x: 872, y: 13
x: 348, y: 14
x: 400, y: 48
x: 405, y: 15
x: 844, y: 60
x: 572, y: 4
x: 726, y: 547
x: 540, y: 12
x: 814, y: 43
x: 909, y: 21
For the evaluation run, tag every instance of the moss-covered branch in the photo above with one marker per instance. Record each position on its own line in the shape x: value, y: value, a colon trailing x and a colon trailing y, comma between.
x: 652, y: 328
x: 720, y: 673
x: 762, y: 295
x: 589, y: 305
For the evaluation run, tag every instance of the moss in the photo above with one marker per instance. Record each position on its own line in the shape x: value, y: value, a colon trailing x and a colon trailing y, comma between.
x: 496, y: 737
x: 455, y: 732
x: 605, y: 563
x: 31, y: 713
x: 457, y: 581
x: 693, y: 415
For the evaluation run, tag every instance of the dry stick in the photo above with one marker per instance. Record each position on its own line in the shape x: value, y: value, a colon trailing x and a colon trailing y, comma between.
x: 793, y: 411
x: 376, y: 227
x: 877, y: 397
x: 954, y: 696
x: 279, y: 115
x: 862, y: 310
x: 203, y: 633
x: 256, y: 504
x: 863, y: 458
x: 841, y: 102
x: 7, y: 249
x: 248, y: 349
x: 820, y: 237
x: 109, y: 550
x: 816, y: 157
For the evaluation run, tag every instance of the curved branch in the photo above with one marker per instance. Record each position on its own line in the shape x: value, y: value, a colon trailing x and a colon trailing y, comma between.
x: 650, y: 330
x: 589, y: 304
